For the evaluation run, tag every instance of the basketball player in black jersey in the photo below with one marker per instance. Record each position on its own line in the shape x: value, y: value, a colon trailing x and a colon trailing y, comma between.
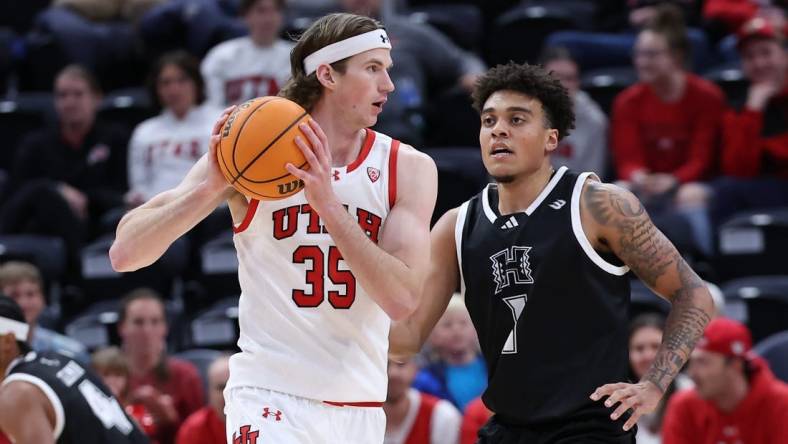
x: 50, y: 398
x: 542, y: 256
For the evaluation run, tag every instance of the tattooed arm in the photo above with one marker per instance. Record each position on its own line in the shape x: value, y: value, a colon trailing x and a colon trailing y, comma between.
x: 614, y: 221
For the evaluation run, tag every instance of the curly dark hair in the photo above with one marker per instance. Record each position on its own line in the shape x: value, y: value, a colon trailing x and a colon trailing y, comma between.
x: 532, y: 81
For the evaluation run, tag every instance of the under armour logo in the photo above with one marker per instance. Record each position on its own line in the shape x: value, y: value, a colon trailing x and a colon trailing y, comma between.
x: 246, y: 436
x: 277, y: 415
x: 383, y: 38
x: 558, y: 204
x: 513, y: 262
x: 336, y: 175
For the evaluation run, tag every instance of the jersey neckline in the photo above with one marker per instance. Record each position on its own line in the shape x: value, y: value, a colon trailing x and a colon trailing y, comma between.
x: 492, y: 212
x: 366, y: 147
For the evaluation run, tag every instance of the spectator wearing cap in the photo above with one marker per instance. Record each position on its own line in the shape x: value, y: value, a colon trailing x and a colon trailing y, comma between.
x: 736, y: 398
x: 755, y: 136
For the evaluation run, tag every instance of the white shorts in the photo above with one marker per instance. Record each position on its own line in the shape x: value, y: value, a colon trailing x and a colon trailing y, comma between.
x: 260, y: 416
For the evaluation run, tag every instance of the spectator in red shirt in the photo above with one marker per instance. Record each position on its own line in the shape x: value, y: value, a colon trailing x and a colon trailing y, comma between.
x: 736, y: 399
x: 206, y: 426
x: 169, y: 388
x: 755, y: 137
x: 413, y: 417
x: 665, y: 127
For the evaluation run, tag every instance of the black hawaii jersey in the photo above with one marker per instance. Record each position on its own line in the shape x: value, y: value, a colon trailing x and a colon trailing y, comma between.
x: 85, y: 410
x: 551, y: 313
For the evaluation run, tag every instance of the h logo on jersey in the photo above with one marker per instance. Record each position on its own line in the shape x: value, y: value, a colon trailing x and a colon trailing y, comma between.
x: 511, y: 263
x: 247, y: 436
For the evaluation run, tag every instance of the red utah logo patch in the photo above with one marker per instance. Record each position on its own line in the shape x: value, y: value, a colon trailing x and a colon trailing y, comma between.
x: 373, y: 173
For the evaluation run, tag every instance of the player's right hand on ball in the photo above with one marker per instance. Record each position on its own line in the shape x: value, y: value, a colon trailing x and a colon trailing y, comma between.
x: 214, y: 178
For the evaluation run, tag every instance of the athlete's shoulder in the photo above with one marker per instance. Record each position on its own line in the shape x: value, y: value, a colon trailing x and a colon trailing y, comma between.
x: 411, y: 155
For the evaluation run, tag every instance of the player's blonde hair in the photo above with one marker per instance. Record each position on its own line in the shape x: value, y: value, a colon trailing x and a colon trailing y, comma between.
x: 304, y: 89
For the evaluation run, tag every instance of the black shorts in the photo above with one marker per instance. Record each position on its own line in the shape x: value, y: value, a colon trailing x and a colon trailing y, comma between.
x: 574, y: 432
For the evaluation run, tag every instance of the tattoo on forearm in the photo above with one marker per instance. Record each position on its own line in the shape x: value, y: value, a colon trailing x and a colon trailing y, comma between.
x: 641, y: 246
x: 684, y: 327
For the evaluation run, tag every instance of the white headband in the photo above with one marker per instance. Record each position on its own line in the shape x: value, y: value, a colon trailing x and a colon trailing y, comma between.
x: 19, y: 329
x: 346, y: 48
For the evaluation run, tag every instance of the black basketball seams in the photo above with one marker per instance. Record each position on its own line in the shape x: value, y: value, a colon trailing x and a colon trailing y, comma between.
x: 224, y: 161
x: 263, y: 151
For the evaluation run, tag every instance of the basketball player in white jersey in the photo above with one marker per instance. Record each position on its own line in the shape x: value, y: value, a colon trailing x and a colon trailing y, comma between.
x: 315, y: 307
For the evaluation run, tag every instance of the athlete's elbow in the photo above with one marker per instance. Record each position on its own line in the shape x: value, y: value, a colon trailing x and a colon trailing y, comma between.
x: 120, y: 258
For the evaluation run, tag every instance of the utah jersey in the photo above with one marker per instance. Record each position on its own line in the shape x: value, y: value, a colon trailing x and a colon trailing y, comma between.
x: 551, y: 313
x: 238, y: 70
x: 85, y: 410
x: 307, y: 328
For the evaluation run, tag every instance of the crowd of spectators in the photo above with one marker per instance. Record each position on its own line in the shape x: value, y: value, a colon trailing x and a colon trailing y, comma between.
x: 694, y: 148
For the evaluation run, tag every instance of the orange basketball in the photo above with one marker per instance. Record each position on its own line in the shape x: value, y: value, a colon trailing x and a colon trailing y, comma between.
x: 257, y: 141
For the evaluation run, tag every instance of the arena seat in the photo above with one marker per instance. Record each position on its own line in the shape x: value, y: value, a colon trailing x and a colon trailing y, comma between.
x: 201, y: 358
x: 519, y: 33
x: 96, y: 327
x: 766, y: 298
x: 604, y: 84
x: 461, y: 175
x: 217, y: 326
x: 462, y: 23
x: 451, y: 120
x: 126, y: 107
x: 643, y: 300
x: 19, y: 116
x: 753, y: 243
x: 45, y: 252
x: 100, y: 281
x: 730, y: 78
x: 774, y: 349
x: 219, y: 273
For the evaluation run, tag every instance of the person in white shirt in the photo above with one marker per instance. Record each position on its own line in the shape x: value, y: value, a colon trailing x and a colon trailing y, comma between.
x: 414, y: 417
x: 585, y: 149
x: 164, y: 148
x: 247, y: 67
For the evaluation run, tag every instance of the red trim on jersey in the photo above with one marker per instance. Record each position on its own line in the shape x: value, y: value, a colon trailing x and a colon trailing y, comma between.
x: 422, y: 426
x: 354, y: 404
x: 366, y: 147
x: 250, y: 210
x: 393, y: 173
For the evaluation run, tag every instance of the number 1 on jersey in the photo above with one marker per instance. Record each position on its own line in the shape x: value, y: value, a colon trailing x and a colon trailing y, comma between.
x: 517, y: 305
x: 315, y: 276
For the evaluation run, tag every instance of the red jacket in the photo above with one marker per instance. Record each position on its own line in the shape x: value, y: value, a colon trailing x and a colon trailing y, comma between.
x: 183, y: 385
x: 679, y: 138
x: 420, y: 431
x: 756, y: 143
x: 476, y: 415
x: 203, y: 427
x: 761, y: 418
